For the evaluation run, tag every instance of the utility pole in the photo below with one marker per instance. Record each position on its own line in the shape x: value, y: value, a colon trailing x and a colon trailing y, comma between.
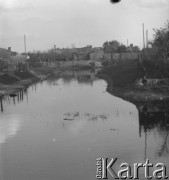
x: 146, y: 38
x: 25, y: 43
x: 54, y: 48
x: 143, y: 37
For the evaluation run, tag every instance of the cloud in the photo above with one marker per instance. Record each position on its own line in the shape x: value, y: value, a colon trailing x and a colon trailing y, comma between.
x: 9, y: 5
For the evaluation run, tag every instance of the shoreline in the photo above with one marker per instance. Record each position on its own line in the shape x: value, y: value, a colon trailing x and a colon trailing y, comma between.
x: 133, y: 94
x: 16, y: 87
x: 129, y: 93
x: 37, y: 74
x: 21, y: 84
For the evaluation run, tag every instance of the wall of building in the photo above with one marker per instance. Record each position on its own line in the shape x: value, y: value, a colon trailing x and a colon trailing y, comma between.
x: 4, y: 54
x: 70, y: 64
x: 115, y: 56
x: 120, y: 57
x: 96, y: 56
x: 129, y: 56
x: 107, y: 56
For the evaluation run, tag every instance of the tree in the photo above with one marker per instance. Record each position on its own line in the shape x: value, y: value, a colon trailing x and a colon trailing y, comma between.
x: 136, y: 49
x: 121, y: 48
x: 161, y: 42
x: 106, y: 46
x: 111, y: 46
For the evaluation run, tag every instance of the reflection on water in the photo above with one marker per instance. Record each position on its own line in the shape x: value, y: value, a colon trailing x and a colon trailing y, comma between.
x: 10, y: 123
x: 2, y: 109
x: 70, y: 121
x: 154, y: 117
x: 13, y: 98
x: 83, y: 77
x: 87, y: 116
x: 9, y: 126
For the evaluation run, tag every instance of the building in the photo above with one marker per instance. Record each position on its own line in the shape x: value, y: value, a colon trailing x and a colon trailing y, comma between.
x: 132, y: 48
x: 6, y: 53
x: 12, y: 60
x: 82, y: 53
x: 107, y: 56
x: 121, y: 57
x: 97, y: 56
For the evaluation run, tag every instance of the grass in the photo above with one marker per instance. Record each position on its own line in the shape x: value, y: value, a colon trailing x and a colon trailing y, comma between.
x: 123, y: 74
x: 23, y: 75
x: 156, y: 69
x: 8, y: 79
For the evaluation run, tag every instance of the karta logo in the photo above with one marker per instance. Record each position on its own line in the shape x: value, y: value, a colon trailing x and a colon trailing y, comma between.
x: 106, y: 168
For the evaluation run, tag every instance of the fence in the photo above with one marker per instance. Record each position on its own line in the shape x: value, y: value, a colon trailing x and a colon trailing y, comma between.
x: 121, y: 57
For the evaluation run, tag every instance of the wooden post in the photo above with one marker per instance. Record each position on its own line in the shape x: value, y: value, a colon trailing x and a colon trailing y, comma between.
x: 143, y: 37
x: 146, y: 38
x: 25, y: 43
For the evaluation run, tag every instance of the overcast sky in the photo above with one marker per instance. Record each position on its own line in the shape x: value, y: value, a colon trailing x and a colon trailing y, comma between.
x: 77, y: 22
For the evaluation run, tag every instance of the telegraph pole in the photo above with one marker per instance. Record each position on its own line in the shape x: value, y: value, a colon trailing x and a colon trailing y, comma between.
x: 143, y: 37
x: 54, y: 48
x: 146, y: 38
x: 25, y: 43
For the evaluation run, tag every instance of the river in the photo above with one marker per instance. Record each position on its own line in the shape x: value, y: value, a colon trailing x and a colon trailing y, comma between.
x: 57, y: 128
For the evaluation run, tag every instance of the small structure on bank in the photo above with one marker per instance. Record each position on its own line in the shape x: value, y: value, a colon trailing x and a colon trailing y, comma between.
x: 10, y: 61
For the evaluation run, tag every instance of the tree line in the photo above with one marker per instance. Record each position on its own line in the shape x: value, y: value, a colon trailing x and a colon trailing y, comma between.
x: 156, y: 58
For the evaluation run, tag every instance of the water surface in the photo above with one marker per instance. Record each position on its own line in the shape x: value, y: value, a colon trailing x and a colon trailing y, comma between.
x: 57, y: 128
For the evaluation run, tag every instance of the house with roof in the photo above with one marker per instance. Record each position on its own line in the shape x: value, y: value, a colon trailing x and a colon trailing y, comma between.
x: 82, y: 53
x: 97, y: 54
x: 11, y: 59
x: 6, y: 53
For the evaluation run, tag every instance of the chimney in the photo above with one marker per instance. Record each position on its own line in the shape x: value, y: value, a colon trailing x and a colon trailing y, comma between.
x: 54, y: 48
x: 9, y: 48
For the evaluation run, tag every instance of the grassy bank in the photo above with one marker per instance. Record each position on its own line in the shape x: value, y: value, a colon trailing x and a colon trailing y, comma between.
x: 123, y: 74
x: 12, y: 82
x: 122, y: 79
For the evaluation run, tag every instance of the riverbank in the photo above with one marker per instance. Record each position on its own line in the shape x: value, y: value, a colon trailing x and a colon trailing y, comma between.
x: 143, y: 95
x: 13, y: 82
x: 123, y: 82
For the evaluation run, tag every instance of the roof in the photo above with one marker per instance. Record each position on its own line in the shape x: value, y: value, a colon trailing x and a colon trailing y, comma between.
x: 6, y: 50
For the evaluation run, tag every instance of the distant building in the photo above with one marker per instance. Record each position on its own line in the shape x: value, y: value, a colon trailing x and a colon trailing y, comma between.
x: 82, y: 53
x: 129, y: 56
x: 58, y: 51
x: 12, y: 58
x: 116, y: 57
x: 6, y: 53
x: 97, y: 55
x: 78, y: 56
x: 132, y: 48
x: 107, y: 56
x: 121, y: 57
